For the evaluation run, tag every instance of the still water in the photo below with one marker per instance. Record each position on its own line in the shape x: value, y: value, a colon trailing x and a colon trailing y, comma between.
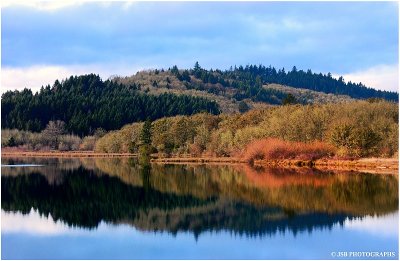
x: 119, y: 209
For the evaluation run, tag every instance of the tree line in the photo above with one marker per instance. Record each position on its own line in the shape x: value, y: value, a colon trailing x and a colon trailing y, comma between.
x: 356, y: 129
x: 86, y: 103
x: 249, y: 81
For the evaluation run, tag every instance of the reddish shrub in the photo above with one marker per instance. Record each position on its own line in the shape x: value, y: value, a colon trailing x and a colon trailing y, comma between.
x: 274, y: 149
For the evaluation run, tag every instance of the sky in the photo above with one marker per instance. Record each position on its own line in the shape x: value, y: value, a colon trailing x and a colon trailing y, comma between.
x: 45, y: 41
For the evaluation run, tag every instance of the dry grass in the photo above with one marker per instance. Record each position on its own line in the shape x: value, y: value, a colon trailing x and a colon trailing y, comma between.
x: 276, y: 149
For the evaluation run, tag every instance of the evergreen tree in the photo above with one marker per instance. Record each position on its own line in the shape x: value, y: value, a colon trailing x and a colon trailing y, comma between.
x: 86, y: 103
x: 145, y: 135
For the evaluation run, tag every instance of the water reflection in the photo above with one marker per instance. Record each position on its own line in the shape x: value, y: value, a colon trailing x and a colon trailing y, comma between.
x: 194, y: 198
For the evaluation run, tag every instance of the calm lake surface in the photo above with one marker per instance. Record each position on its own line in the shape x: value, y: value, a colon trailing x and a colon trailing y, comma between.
x: 120, y: 209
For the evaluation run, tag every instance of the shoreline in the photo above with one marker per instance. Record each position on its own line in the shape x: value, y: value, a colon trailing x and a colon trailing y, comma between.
x: 367, y: 165
x: 66, y: 154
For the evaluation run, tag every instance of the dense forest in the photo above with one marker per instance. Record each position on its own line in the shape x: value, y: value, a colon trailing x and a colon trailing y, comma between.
x: 255, y: 75
x: 86, y: 103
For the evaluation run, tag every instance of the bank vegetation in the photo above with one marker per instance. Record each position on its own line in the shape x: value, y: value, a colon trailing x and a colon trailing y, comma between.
x: 305, y: 132
x: 353, y: 129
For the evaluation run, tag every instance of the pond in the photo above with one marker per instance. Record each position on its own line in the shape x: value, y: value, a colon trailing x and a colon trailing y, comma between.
x: 116, y: 208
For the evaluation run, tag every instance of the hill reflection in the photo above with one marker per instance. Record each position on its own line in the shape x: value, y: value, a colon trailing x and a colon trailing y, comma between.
x: 194, y: 198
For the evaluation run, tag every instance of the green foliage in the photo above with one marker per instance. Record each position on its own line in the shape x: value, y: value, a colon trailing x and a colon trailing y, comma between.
x: 255, y: 84
x: 307, y: 80
x: 145, y: 135
x: 86, y: 103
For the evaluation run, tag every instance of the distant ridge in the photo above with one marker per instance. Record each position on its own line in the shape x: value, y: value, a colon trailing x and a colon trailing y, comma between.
x: 247, y: 82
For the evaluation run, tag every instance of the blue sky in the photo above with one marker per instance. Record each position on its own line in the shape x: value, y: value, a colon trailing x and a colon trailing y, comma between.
x: 43, y: 41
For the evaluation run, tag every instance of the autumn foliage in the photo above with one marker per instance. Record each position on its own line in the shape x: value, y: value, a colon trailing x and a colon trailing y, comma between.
x: 276, y: 149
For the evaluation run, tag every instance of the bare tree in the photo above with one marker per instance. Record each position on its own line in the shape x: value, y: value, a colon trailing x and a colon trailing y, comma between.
x: 53, y: 131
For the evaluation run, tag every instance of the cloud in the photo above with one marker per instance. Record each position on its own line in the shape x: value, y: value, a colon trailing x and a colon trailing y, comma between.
x: 40, y: 4
x: 31, y: 223
x: 336, y: 37
x: 37, y: 224
x: 384, y: 226
x: 44, y: 41
x: 382, y: 77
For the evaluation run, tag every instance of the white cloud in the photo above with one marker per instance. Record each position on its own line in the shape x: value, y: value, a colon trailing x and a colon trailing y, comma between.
x: 36, y: 76
x: 382, y: 77
x: 41, y: 5
x: 384, y: 226
x: 52, y: 5
x: 36, y: 224
x: 31, y: 223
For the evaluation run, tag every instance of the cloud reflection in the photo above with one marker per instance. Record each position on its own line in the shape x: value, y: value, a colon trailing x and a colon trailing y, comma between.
x: 385, y: 226
x: 33, y: 223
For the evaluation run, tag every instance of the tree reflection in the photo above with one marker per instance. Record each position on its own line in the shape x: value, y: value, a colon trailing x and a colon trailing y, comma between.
x: 196, y: 198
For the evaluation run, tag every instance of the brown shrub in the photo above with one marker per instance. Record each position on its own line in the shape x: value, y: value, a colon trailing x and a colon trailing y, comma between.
x: 273, y: 149
x: 195, y: 149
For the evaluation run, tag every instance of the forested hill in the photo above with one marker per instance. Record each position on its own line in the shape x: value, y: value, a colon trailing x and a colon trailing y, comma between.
x: 255, y: 83
x: 86, y: 102
x: 308, y: 80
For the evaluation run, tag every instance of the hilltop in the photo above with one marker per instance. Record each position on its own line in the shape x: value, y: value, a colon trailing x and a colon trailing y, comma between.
x: 254, y: 85
x: 228, y: 98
